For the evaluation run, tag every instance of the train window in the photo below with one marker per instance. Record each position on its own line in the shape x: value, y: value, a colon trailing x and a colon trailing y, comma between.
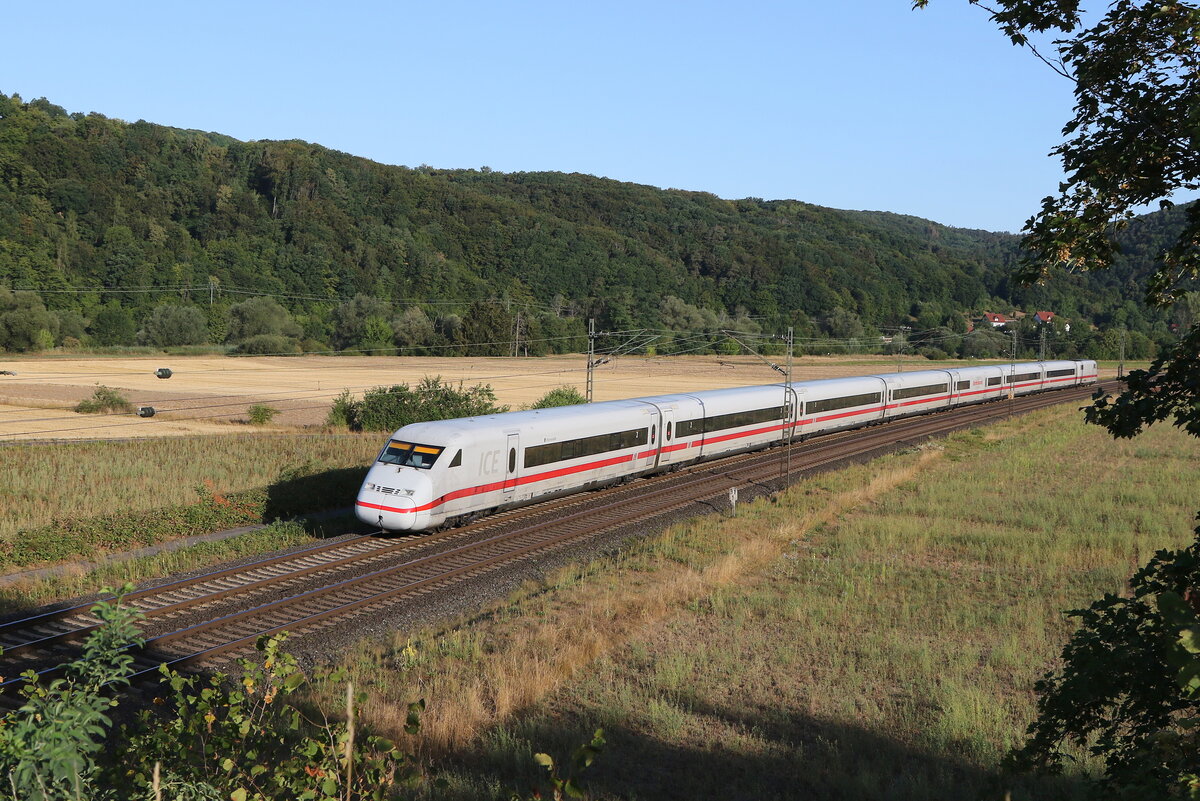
x: 408, y: 454
x: 653, y: 431
x: 586, y: 446
x: 686, y: 428
x: 831, y: 404
x: 961, y: 385
x: 457, y: 460
x: 1056, y: 373
x: 1009, y: 379
x: 916, y: 392
x: 994, y: 381
x: 738, y: 419
x: 512, y: 459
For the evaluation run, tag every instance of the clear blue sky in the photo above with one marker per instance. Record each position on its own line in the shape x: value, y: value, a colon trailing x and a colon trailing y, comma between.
x: 857, y: 104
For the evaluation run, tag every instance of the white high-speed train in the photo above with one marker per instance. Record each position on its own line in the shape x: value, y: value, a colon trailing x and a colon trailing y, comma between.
x: 432, y: 473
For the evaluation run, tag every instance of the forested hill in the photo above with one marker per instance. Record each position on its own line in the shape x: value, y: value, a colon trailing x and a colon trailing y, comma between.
x: 97, y: 204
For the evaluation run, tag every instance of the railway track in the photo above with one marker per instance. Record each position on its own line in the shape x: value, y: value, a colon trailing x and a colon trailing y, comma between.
x: 205, y: 619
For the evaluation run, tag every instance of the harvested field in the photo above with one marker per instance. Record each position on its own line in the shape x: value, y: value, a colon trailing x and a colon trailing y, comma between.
x: 211, y: 394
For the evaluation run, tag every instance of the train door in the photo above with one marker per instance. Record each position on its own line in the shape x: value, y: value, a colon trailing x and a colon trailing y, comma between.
x: 666, y: 452
x: 652, y: 449
x: 791, y: 411
x: 510, y: 465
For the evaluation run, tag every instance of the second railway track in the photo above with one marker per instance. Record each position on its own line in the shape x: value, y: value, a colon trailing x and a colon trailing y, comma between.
x: 212, y: 617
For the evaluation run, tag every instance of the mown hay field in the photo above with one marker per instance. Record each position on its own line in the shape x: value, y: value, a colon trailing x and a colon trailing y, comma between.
x: 874, y: 633
x: 212, y: 394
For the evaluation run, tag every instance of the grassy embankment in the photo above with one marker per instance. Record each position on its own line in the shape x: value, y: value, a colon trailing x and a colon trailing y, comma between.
x: 65, y: 502
x: 875, y: 633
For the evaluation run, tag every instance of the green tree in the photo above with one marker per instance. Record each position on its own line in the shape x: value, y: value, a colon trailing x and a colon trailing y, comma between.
x: 113, y: 325
x: 25, y: 324
x: 413, y: 330
x: 260, y: 317
x: 1128, y: 687
x: 350, y: 321
x: 171, y: 325
x: 487, y: 329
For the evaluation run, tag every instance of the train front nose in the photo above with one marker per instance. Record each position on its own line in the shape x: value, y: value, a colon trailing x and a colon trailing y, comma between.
x: 394, y: 500
x: 396, y: 515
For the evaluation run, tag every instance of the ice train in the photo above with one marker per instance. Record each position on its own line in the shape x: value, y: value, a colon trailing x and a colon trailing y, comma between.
x: 430, y: 474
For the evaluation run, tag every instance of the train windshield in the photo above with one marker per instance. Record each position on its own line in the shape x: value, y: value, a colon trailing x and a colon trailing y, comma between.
x: 408, y: 454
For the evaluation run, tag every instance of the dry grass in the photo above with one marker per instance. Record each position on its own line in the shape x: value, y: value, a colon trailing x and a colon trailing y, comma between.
x: 39, y: 484
x: 874, y: 633
x: 207, y: 393
x: 566, y: 629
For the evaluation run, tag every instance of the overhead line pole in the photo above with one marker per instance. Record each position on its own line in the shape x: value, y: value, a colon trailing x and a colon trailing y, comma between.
x: 591, y: 357
x: 794, y: 403
x: 1012, y: 375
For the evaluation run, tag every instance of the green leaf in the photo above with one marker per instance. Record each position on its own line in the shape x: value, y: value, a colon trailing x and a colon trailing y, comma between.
x: 238, y: 795
x: 545, y: 760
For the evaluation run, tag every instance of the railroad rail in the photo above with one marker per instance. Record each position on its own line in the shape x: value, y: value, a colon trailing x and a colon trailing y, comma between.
x: 205, y: 619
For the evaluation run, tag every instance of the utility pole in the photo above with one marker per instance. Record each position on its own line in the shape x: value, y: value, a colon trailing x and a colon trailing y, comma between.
x: 903, y: 332
x: 212, y: 285
x: 1121, y: 364
x: 1042, y: 343
x: 591, y: 359
x: 789, y: 400
x: 516, y: 347
x: 1012, y: 375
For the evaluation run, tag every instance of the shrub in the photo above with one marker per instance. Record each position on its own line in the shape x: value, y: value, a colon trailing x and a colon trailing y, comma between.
x: 104, y: 399
x: 260, y: 414
x: 559, y: 396
x: 53, y: 746
x: 268, y: 344
x: 389, y: 408
x: 245, y: 741
x: 340, y: 411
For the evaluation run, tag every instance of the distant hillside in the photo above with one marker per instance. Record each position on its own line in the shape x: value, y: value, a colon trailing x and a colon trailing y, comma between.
x: 132, y: 212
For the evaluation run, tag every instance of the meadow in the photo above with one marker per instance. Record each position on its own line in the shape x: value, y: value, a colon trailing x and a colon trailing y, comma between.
x: 872, y: 633
x: 40, y: 483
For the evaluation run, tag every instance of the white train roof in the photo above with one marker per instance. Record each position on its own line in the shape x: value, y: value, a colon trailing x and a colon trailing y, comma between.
x: 822, y: 387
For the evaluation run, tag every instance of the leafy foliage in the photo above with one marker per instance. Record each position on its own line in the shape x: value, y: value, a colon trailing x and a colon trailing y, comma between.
x: 559, y: 396
x: 1128, y: 687
x: 390, y: 408
x: 260, y: 414
x: 52, y: 746
x: 246, y: 742
x: 560, y: 787
x: 368, y: 257
x: 1170, y: 388
x: 104, y: 399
